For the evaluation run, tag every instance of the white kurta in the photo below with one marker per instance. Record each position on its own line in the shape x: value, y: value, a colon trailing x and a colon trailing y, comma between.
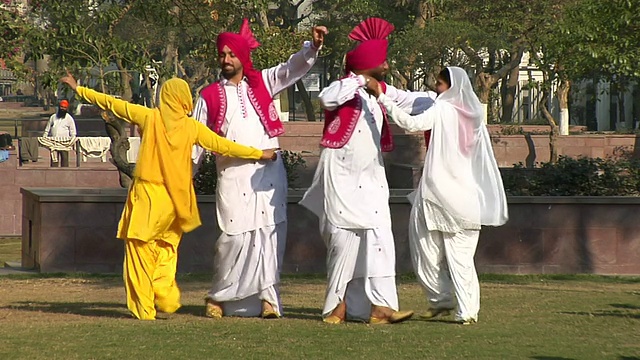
x: 350, y: 195
x: 60, y: 127
x: 251, y: 197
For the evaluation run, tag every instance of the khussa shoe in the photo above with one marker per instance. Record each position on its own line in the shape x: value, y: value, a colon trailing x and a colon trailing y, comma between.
x: 431, y: 313
x: 333, y: 320
x: 213, y: 310
x: 269, y: 314
x: 396, y: 317
x: 268, y: 311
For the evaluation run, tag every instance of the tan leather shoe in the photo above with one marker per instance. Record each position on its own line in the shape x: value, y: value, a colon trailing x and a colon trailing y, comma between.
x: 394, y: 318
x: 333, y: 320
x: 213, y: 310
x: 432, y: 312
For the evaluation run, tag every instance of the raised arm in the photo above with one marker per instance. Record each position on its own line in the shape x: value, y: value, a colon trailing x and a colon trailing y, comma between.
x: 216, y: 143
x: 411, y: 102
x: 408, y: 122
x: 340, y: 91
x: 125, y: 110
x: 136, y: 114
x: 286, y: 74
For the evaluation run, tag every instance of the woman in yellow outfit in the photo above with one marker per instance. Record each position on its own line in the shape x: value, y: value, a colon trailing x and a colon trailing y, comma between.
x: 161, y: 204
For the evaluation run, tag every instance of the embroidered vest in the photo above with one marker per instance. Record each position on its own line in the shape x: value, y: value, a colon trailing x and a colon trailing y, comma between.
x: 216, y: 100
x: 340, y: 123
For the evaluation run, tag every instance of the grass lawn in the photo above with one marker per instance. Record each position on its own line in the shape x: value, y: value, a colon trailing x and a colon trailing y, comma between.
x: 10, y: 249
x: 522, y: 317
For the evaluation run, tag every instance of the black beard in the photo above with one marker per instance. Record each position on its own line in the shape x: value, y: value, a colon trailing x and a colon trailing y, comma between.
x: 228, y: 74
x: 61, y: 113
x: 379, y: 77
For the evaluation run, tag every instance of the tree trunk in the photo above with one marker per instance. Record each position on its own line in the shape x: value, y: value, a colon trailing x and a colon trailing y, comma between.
x: 563, y: 101
x: 125, y: 81
x: 553, y: 134
x: 263, y: 19
x: 306, y: 101
x: 119, y: 147
x: 508, y: 99
x: 622, y: 118
x: 425, y: 11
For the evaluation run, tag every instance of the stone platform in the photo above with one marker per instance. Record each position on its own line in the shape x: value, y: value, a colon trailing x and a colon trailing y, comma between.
x: 73, y: 230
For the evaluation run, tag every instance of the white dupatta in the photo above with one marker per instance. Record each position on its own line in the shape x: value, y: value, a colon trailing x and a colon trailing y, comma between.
x: 460, y: 174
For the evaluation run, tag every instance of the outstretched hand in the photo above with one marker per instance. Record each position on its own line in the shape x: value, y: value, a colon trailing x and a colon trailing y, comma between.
x: 69, y: 80
x: 318, y: 33
x: 270, y: 154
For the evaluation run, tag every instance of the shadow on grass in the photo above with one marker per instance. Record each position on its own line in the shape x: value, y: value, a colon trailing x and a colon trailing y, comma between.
x: 442, y: 320
x: 194, y: 310
x: 92, y: 309
x: 302, y: 313
x: 625, y: 306
x: 601, y: 313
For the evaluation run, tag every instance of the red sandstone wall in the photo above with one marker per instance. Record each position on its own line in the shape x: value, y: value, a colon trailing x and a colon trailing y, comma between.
x: 13, y: 177
x: 300, y: 136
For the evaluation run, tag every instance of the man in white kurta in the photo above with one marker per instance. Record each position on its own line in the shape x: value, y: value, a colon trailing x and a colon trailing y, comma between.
x: 61, y: 125
x: 251, y: 199
x: 460, y: 190
x: 350, y: 196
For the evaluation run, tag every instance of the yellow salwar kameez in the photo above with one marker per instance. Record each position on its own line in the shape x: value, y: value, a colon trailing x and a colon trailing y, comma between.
x: 161, y: 204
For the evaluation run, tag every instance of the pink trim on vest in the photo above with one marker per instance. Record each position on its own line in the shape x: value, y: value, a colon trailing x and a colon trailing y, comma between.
x: 216, y: 99
x: 339, y: 125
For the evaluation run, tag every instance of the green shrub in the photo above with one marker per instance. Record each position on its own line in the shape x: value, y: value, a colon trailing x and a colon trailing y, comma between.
x: 207, y: 177
x: 582, y: 176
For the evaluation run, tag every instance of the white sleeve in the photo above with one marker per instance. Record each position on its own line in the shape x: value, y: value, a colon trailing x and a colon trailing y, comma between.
x: 48, y: 127
x: 286, y: 74
x: 408, y: 122
x: 411, y: 102
x: 72, y: 126
x: 199, y: 113
x: 339, y: 92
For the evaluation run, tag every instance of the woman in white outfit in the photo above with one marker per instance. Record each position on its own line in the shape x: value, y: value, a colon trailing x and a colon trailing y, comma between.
x: 460, y: 190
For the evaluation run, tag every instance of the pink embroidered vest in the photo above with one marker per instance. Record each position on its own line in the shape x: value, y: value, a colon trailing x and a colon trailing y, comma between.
x: 340, y: 123
x: 216, y: 100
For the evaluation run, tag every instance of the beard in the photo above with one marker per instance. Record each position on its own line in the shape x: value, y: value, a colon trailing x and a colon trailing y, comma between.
x: 61, y: 113
x: 379, y: 75
x: 229, y: 71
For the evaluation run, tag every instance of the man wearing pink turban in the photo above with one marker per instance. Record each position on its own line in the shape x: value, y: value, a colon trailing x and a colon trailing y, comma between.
x: 251, y: 196
x: 350, y: 194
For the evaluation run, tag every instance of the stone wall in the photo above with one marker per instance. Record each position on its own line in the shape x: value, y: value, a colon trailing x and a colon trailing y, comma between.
x: 403, y: 163
x: 72, y: 230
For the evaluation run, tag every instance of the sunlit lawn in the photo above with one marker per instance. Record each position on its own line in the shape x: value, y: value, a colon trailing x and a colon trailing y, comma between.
x: 84, y: 317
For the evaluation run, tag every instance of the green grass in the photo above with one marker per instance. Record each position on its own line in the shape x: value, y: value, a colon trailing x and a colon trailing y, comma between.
x: 10, y: 249
x: 522, y: 317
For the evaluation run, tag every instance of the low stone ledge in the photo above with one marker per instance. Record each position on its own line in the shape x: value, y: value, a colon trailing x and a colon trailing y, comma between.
x: 73, y: 230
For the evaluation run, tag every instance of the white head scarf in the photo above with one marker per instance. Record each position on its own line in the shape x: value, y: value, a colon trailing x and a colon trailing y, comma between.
x: 460, y: 173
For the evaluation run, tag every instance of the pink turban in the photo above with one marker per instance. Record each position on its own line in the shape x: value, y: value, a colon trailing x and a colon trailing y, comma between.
x: 241, y: 44
x: 372, y: 50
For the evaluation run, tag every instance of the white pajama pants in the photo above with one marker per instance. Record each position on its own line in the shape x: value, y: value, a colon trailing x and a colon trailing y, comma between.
x: 247, y: 270
x: 444, y: 265
x: 361, y: 269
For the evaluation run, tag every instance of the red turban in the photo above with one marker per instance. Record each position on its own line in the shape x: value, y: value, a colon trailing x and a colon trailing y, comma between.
x: 241, y: 44
x: 372, y: 50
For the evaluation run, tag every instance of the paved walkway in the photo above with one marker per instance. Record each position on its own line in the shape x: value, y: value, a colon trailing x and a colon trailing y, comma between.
x: 13, y: 267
